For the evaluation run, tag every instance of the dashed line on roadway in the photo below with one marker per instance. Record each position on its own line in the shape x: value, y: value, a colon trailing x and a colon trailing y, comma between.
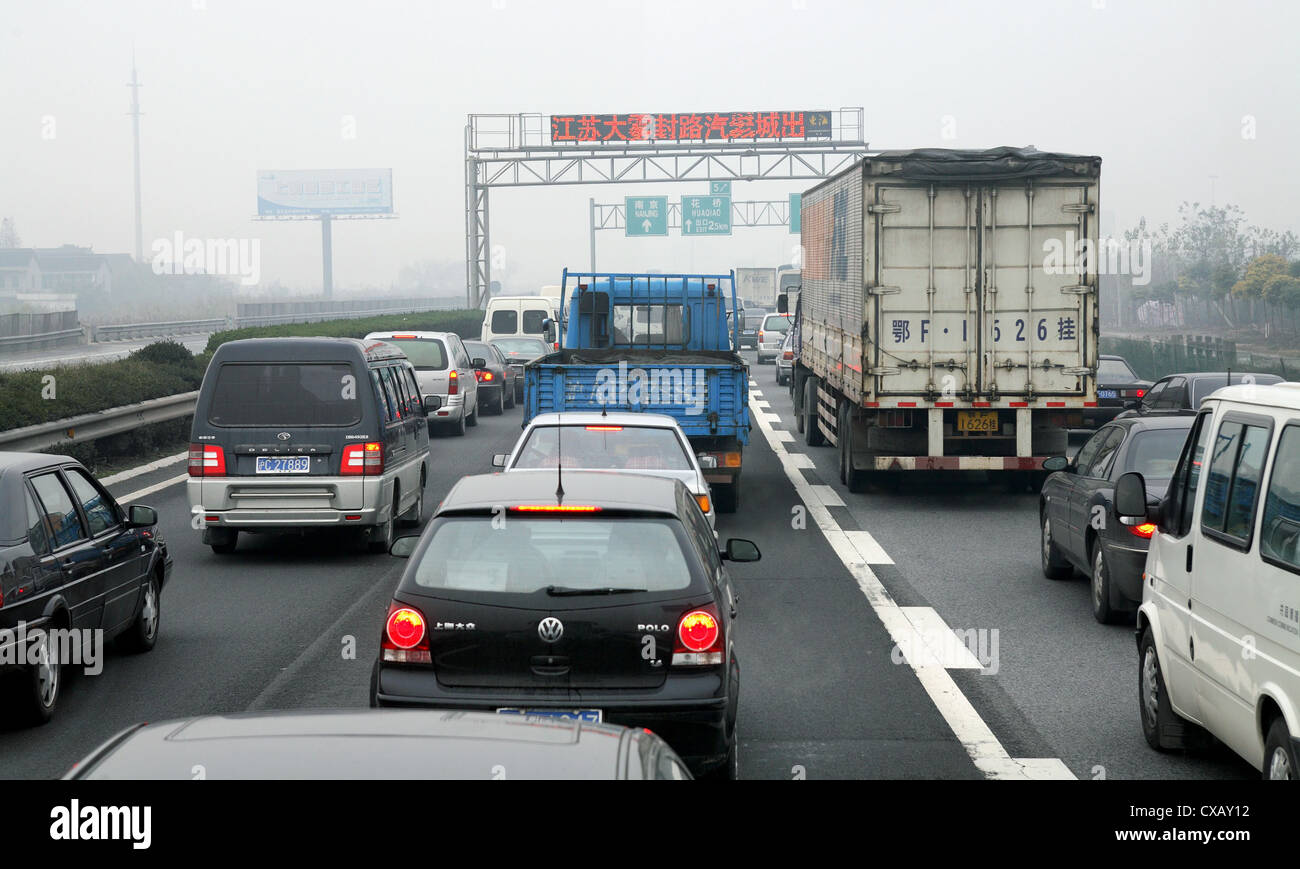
x: 149, y: 490
x: 983, y: 747
x: 144, y: 469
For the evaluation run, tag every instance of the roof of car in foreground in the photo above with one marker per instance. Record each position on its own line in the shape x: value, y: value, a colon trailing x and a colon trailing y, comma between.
x: 303, y: 349
x: 362, y: 744
x: 615, y: 491
x: 1280, y: 395
x: 13, y: 510
x: 621, y: 417
x: 1183, y: 421
x: 380, y: 336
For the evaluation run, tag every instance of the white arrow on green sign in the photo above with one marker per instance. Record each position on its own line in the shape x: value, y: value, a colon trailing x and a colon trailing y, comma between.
x: 706, y: 215
x: 645, y: 215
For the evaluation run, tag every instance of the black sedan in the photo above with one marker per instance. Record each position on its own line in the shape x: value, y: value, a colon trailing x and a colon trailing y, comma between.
x: 380, y: 746
x: 749, y: 329
x: 518, y: 352
x: 1117, y: 386
x: 1078, y: 524
x: 72, y: 563
x: 596, y: 597
x: 1182, y: 394
x: 496, y: 380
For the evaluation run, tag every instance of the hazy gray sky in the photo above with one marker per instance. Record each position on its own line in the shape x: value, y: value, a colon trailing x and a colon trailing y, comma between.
x: 1160, y: 90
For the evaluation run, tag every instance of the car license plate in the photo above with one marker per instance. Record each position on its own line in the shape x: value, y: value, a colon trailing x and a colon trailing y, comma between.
x: 592, y: 716
x: 286, y: 465
x: 980, y: 421
x: 1108, y: 393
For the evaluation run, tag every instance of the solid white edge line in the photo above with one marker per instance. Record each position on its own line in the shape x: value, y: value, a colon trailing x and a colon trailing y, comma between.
x: 971, y: 731
x: 144, y: 469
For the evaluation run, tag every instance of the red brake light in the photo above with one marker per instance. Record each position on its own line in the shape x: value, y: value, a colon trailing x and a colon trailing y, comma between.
x: 760, y: 334
x: 207, y: 460
x: 453, y: 378
x: 406, y: 636
x: 699, y: 638
x: 789, y: 354
x: 363, y: 459
x: 604, y: 428
x: 1145, y: 530
x: 1141, y: 392
x: 482, y: 376
x: 556, y: 508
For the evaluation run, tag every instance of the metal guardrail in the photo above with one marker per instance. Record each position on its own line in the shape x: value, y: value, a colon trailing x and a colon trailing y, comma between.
x: 19, y: 342
x: 125, y: 331
x: 89, y: 426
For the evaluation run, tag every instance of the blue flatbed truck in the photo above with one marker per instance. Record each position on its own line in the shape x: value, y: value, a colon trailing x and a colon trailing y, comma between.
x: 654, y: 343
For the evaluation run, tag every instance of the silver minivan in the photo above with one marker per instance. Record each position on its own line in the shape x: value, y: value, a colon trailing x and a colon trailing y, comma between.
x: 443, y: 367
x: 295, y: 434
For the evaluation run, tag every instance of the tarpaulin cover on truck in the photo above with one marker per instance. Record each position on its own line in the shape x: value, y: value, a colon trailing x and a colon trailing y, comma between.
x: 993, y: 164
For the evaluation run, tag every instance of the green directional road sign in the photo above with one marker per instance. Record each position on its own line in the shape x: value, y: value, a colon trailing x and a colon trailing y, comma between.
x: 719, y: 188
x: 796, y: 214
x: 706, y: 215
x: 646, y: 215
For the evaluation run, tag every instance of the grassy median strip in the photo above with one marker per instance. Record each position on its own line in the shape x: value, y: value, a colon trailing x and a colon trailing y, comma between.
x: 164, y: 368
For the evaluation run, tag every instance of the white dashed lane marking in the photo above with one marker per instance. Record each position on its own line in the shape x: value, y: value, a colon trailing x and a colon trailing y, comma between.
x: 856, y: 549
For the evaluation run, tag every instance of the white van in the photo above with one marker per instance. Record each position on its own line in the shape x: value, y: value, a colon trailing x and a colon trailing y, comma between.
x: 1219, y: 626
x: 512, y: 316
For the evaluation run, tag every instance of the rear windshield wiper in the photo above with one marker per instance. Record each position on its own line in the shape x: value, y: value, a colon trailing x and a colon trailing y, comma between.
x: 564, y: 591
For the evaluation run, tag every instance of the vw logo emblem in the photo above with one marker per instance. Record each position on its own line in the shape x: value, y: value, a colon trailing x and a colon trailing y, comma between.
x: 550, y: 629
x: 284, y: 436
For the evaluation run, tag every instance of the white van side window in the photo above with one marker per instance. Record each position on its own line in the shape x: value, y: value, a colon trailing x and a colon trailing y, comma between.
x: 1236, y: 465
x: 505, y: 321
x: 1279, y: 537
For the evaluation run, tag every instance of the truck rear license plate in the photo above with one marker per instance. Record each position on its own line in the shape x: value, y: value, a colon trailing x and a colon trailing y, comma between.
x: 1107, y: 393
x: 978, y: 421
x: 590, y: 715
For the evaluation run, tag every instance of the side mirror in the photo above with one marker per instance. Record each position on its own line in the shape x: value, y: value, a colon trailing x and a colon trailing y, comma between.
x: 478, y: 362
x: 403, y: 546
x: 432, y: 403
x: 782, y: 304
x: 1056, y: 463
x: 741, y: 550
x: 140, y: 516
x: 548, y: 330
x: 1131, y: 500
x: 499, y: 460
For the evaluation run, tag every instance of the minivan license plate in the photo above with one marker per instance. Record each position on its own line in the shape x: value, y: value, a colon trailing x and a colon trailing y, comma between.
x: 592, y: 716
x: 286, y: 465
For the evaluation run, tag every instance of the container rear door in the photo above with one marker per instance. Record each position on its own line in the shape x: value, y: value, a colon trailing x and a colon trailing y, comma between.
x: 926, y: 294
x: 1036, y: 316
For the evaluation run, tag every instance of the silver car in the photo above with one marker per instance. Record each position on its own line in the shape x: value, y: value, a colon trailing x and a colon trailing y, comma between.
x: 785, y: 359
x: 443, y: 367
x: 771, y: 334
x: 640, y: 443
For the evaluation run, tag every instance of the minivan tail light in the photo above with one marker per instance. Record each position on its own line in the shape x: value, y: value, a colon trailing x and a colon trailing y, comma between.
x: 453, y: 378
x: 406, y: 636
x: 699, y: 641
x: 207, y: 460
x: 363, y: 459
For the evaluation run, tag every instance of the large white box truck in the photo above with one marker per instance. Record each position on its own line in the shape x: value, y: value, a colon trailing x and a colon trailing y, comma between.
x: 947, y: 320
x: 756, y: 286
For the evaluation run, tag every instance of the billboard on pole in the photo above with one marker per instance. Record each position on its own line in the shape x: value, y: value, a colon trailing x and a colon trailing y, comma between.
x: 328, y: 191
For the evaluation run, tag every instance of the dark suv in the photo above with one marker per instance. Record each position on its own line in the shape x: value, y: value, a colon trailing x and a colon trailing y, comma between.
x: 71, y: 561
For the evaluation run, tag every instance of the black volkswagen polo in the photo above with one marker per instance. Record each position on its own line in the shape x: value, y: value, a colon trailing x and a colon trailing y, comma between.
x: 591, y: 595
x: 71, y: 561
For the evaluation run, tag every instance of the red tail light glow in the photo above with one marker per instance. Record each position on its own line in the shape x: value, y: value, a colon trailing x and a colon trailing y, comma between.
x: 363, y: 459
x: 482, y: 376
x: 207, y: 460
x: 789, y: 354
x: 699, y: 638
x: 604, y: 428
x: 412, y: 337
x: 453, y: 378
x: 556, y: 508
x: 406, y: 636
x: 1139, y: 393
x: 1145, y: 530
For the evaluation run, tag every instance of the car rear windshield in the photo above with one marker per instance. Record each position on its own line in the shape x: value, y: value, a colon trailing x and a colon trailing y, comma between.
x: 604, y: 447
x: 479, y: 350
x: 533, y: 320
x: 755, y: 321
x: 776, y: 323
x: 285, y: 395
x: 1115, y: 371
x: 1153, y: 454
x: 426, y: 354
x: 1202, y: 387
x: 526, y: 555
x: 529, y: 347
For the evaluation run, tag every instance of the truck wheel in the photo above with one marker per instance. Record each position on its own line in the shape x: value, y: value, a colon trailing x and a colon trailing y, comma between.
x: 795, y: 399
x: 854, y: 478
x: 812, y: 435
x: 727, y: 498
